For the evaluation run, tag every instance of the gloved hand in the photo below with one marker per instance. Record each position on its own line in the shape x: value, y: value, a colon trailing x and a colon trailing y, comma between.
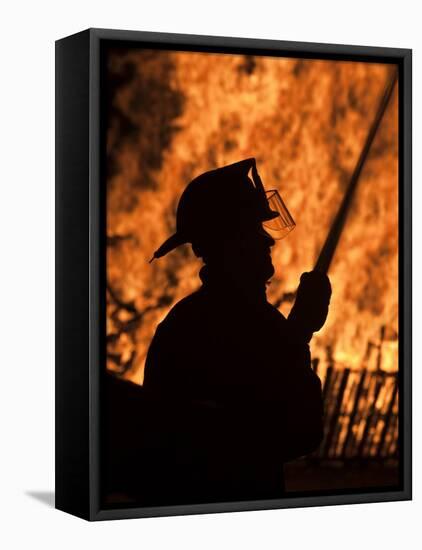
x: 310, y: 309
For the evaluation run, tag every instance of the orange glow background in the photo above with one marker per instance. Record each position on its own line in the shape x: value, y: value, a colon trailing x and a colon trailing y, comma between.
x: 174, y: 115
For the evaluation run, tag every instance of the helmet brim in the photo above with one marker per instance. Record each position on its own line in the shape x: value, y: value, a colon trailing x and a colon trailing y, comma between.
x: 170, y: 244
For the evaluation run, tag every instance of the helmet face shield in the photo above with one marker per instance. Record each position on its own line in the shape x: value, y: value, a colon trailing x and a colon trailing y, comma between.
x: 281, y: 225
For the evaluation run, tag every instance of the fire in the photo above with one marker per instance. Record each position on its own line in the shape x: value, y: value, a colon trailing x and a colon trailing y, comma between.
x: 174, y: 115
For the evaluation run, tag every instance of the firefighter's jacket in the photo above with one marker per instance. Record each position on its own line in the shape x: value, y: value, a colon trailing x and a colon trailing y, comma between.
x: 232, y: 392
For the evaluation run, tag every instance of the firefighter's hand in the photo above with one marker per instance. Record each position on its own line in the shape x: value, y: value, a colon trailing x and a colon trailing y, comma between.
x: 315, y: 283
x: 312, y: 300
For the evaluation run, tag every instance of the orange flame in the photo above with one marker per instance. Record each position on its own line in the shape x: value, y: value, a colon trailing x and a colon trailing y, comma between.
x: 174, y: 115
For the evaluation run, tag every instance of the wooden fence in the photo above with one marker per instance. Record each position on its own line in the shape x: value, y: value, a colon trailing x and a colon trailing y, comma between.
x: 361, y: 414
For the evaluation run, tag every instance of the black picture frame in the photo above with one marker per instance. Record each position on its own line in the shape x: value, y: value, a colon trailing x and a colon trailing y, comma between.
x: 80, y: 267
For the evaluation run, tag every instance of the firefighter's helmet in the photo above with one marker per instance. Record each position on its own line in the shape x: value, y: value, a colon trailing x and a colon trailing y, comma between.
x: 220, y: 200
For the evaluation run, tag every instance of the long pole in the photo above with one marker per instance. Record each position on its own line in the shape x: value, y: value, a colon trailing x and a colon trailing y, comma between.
x: 327, y: 251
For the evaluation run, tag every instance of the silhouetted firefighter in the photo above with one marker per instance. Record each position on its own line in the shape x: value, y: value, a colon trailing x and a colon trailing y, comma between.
x: 229, y: 391
x: 228, y: 380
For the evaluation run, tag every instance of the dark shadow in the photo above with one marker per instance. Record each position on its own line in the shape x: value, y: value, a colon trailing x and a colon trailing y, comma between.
x: 45, y: 497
